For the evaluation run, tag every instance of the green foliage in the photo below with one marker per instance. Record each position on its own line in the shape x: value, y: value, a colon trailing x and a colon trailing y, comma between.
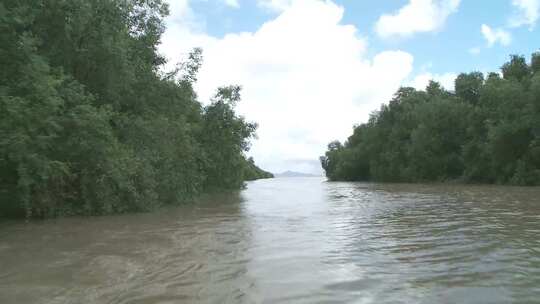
x: 226, y: 136
x: 89, y: 124
x: 468, y: 86
x: 535, y: 62
x: 516, y: 68
x: 487, y: 131
x: 252, y: 172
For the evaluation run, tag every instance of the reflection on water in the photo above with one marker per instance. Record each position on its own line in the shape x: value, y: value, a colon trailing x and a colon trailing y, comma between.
x: 300, y: 240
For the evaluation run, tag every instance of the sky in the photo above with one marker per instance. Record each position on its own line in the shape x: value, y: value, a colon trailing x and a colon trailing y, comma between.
x: 312, y: 69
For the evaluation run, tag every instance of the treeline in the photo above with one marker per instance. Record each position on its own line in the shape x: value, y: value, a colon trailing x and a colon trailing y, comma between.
x: 253, y: 172
x: 487, y: 131
x: 90, y: 125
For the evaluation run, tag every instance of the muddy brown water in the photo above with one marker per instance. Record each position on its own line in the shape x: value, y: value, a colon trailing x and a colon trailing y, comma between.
x: 289, y: 240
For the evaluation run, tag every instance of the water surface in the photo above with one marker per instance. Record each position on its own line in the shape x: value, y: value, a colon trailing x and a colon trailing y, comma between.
x: 289, y: 240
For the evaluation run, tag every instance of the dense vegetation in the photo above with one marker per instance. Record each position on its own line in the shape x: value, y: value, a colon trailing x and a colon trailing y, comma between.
x: 252, y: 172
x: 487, y: 131
x: 90, y: 125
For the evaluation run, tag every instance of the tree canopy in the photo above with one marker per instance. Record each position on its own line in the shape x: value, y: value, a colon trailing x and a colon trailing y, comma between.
x: 89, y: 123
x: 487, y: 131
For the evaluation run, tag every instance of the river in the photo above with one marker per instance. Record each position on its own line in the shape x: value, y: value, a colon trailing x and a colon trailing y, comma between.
x: 289, y: 240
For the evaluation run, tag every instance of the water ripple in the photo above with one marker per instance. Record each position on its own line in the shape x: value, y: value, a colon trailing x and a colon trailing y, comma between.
x: 289, y: 241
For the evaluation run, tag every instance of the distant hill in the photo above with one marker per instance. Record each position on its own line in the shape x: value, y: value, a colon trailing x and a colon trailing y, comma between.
x: 294, y: 174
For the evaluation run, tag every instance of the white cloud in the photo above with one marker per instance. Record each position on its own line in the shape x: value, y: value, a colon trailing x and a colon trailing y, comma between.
x: 306, y: 79
x: 179, y: 9
x: 527, y: 13
x: 416, y: 17
x: 494, y: 36
x: 420, y: 82
x: 182, y: 16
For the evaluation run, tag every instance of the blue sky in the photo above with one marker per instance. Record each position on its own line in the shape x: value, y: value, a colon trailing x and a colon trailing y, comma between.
x: 311, y: 69
x: 444, y: 50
